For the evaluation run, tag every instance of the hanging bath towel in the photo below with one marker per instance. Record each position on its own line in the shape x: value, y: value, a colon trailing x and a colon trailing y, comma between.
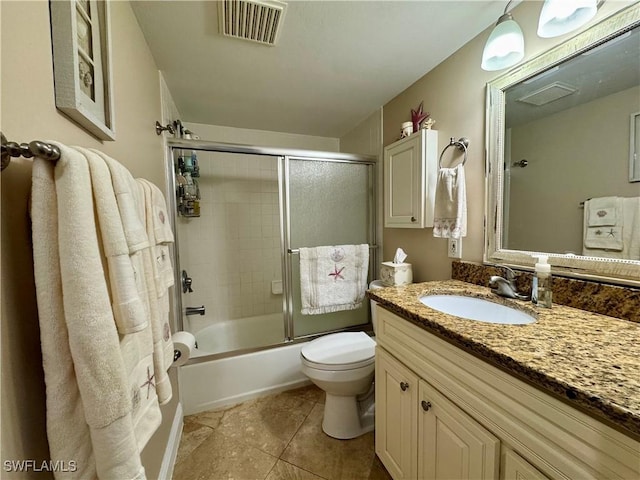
x: 333, y: 278
x: 450, y: 210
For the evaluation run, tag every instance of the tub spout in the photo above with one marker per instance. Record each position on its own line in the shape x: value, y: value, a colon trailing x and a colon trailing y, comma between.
x: 195, y: 310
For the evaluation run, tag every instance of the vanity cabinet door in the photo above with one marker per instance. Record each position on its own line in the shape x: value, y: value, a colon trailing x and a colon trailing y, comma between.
x: 514, y: 467
x: 450, y: 443
x: 409, y: 180
x: 396, y: 416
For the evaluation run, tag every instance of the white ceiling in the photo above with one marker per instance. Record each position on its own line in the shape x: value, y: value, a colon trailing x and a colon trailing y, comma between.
x: 607, y: 69
x: 336, y: 62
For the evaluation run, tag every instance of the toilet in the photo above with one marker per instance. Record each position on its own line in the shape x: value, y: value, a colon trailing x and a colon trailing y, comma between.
x: 343, y: 365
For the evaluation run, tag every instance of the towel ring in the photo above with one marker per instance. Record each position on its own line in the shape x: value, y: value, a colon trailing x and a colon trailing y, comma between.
x: 461, y: 144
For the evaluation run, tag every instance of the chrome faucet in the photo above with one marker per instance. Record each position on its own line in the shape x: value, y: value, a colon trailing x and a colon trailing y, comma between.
x: 195, y: 310
x: 506, y: 287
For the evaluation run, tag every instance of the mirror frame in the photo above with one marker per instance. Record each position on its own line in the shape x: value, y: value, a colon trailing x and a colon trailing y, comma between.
x: 617, y: 271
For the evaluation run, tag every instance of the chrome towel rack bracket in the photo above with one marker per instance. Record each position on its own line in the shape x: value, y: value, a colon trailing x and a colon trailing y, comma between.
x: 461, y: 144
x: 32, y: 149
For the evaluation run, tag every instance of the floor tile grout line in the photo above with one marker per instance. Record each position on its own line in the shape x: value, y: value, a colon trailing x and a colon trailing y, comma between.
x: 295, y: 433
x: 304, y: 469
x: 272, y: 468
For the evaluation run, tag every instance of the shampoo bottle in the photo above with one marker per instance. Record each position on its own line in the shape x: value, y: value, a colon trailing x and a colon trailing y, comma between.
x: 541, y: 286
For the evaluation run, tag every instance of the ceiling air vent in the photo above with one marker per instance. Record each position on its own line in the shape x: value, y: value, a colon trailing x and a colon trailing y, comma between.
x: 548, y: 94
x: 253, y: 20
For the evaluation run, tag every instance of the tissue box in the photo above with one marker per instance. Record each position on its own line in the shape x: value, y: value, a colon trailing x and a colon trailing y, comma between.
x: 396, y: 274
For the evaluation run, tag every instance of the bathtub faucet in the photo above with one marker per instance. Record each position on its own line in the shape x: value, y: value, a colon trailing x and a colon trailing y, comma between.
x: 195, y: 310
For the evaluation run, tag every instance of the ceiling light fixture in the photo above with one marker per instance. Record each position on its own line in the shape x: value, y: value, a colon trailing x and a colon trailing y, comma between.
x: 505, y: 46
x: 563, y: 16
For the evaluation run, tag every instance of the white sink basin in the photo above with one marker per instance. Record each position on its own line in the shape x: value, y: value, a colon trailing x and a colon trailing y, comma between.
x: 478, y: 309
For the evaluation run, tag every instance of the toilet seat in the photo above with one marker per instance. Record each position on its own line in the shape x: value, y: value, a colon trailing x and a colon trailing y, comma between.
x: 339, y: 351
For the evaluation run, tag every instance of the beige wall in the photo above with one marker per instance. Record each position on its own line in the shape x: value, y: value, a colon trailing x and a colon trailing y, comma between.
x: 585, y: 154
x: 366, y: 139
x: 28, y: 112
x: 454, y: 94
x: 262, y: 138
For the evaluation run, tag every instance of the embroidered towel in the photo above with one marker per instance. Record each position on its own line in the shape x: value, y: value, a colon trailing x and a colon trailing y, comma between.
x: 159, y: 279
x: 333, y: 278
x: 605, y: 238
x: 620, y: 241
x: 603, y: 211
x: 450, y: 209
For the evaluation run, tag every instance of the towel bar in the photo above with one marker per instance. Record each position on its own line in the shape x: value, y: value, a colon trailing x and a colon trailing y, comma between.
x: 35, y: 148
x: 296, y: 251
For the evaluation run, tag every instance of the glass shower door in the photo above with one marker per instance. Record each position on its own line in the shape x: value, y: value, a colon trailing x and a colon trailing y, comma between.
x: 330, y: 202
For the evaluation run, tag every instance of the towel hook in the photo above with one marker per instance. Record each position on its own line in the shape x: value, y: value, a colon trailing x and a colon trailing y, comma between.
x: 461, y: 144
x: 169, y: 128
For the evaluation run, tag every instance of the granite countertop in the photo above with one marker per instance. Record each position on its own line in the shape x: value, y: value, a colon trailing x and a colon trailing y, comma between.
x: 591, y: 361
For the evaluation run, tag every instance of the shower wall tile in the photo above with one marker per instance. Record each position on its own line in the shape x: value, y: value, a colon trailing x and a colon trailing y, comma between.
x: 232, y: 251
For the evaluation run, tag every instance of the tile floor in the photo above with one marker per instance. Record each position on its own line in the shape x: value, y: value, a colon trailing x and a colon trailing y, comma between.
x: 278, y: 437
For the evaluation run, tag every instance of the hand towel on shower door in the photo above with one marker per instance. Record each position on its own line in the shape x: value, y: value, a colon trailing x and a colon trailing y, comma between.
x: 333, y: 278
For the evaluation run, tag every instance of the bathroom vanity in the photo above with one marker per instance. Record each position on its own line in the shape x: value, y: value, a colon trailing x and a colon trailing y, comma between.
x: 457, y: 398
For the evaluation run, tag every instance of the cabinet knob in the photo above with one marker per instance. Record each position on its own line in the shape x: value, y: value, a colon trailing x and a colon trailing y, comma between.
x: 425, y: 405
x: 404, y: 386
x: 413, y: 219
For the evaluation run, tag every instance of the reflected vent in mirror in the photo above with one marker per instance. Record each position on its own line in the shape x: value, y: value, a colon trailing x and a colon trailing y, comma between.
x: 548, y: 94
x: 254, y: 20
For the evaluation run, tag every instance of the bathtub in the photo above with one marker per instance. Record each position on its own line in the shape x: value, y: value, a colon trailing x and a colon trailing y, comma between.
x: 220, y: 382
x: 239, y: 334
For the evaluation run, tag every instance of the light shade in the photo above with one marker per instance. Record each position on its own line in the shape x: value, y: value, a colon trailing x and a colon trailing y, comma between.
x: 562, y: 16
x: 505, y: 46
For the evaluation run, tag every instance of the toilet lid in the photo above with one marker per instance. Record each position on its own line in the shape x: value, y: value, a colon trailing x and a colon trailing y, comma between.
x: 340, y: 348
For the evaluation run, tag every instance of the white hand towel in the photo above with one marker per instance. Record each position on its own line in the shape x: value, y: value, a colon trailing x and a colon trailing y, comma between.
x: 603, y: 211
x: 450, y: 209
x: 629, y: 222
x: 333, y: 278
x: 605, y: 238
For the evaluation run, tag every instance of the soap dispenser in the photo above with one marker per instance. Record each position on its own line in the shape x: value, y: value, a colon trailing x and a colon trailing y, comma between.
x: 541, y: 286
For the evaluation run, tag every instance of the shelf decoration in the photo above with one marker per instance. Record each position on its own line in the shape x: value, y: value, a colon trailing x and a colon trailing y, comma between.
x: 418, y: 116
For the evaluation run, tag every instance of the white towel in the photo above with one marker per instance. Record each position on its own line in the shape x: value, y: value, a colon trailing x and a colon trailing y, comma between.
x: 603, y: 211
x: 450, y: 209
x: 67, y: 429
x: 129, y: 307
x: 101, y: 402
x: 333, y: 278
x: 604, y: 238
x: 620, y: 241
x: 158, y: 280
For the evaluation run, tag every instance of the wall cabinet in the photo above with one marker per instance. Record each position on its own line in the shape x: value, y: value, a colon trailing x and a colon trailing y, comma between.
x: 410, y: 170
x: 442, y: 413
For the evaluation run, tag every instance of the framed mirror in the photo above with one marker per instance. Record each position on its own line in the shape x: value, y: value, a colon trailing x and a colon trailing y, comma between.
x: 559, y: 148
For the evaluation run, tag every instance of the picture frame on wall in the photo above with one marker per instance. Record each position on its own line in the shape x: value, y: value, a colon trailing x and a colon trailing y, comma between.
x: 82, y: 64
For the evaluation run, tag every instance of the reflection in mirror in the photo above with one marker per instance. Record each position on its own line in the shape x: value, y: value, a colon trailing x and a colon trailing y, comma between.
x: 571, y: 126
x: 560, y: 146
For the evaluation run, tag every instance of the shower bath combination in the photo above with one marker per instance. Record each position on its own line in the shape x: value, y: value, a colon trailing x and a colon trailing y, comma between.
x: 258, y: 206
